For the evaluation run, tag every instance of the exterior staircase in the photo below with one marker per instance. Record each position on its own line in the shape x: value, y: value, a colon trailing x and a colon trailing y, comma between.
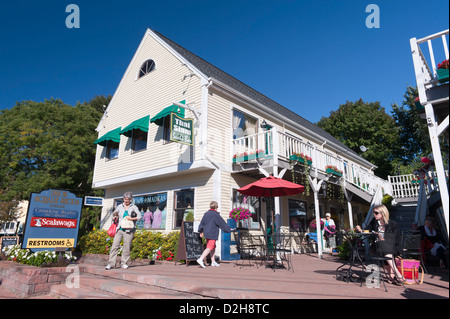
x: 404, y: 216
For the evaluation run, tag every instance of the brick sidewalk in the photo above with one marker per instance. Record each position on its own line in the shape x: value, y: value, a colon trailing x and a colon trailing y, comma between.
x: 312, y: 278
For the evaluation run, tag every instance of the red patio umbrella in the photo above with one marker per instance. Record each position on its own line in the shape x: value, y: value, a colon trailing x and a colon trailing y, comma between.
x: 271, y: 187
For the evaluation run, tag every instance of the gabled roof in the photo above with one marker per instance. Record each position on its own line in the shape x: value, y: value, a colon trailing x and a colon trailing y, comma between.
x: 217, y: 74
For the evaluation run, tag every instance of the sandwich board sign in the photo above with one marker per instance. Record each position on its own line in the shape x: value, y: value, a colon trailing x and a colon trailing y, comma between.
x: 53, y: 221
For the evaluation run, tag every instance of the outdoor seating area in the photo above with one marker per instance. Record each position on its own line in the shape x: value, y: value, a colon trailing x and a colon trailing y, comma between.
x: 272, y: 250
x: 369, y: 256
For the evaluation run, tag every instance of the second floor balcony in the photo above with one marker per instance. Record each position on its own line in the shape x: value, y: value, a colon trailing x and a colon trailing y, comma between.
x: 275, y: 148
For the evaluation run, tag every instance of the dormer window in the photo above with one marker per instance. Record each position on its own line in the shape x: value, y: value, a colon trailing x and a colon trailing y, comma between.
x: 147, y: 67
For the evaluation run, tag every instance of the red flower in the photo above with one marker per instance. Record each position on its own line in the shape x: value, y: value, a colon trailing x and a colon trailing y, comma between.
x: 443, y: 65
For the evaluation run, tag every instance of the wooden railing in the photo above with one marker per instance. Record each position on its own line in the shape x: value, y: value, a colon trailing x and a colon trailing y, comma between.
x: 279, y: 145
x: 426, y: 76
x: 408, y: 186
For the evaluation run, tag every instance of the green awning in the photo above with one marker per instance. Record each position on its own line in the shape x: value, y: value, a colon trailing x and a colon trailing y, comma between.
x: 140, y: 124
x: 113, y: 136
x: 158, y: 119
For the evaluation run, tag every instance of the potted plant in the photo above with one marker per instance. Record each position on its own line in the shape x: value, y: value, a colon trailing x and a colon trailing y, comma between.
x: 442, y: 71
x: 419, y: 107
x: 240, y: 214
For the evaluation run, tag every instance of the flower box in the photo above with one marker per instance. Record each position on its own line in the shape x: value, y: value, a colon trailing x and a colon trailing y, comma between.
x: 334, y: 171
x: 442, y: 75
x: 301, y: 158
x: 244, y: 157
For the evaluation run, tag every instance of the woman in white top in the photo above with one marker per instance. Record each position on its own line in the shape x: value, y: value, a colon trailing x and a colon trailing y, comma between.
x: 329, y: 231
x: 128, y: 214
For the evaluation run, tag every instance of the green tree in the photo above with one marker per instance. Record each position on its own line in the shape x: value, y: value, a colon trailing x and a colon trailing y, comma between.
x: 413, y: 134
x: 48, y: 145
x: 366, y: 123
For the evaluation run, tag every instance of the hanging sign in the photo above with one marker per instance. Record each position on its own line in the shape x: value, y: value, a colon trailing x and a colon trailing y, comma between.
x: 53, y: 220
x: 181, y: 130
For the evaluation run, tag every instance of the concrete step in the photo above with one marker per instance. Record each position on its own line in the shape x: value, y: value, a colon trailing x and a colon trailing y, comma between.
x: 99, y: 287
x: 63, y: 292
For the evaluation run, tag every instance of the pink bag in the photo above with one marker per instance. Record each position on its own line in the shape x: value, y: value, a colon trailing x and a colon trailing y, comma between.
x: 112, y: 230
x: 410, y: 270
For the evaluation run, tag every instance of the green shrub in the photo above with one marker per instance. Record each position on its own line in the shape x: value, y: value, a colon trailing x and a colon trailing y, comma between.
x: 146, y: 244
x: 387, y: 201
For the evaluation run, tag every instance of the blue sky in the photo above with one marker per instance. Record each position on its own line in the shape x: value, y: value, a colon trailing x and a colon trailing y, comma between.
x: 310, y: 56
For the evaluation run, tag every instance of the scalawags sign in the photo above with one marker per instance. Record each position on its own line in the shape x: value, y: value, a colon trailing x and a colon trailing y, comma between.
x: 53, y: 220
x: 181, y: 130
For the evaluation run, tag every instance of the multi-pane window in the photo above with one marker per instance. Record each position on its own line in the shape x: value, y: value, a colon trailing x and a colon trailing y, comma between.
x: 251, y: 203
x: 184, y: 204
x: 112, y: 150
x: 146, y: 68
x: 139, y: 140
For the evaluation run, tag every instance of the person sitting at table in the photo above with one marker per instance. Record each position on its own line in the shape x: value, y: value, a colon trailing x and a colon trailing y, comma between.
x: 388, y: 240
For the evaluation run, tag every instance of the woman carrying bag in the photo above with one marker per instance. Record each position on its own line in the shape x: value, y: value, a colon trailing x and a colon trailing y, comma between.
x: 127, y: 214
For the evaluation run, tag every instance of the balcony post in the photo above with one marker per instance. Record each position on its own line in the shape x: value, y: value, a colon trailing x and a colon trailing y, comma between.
x: 275, y: 146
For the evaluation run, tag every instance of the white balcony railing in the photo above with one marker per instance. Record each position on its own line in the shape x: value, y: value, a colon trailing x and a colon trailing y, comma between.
x: 274, y: 144
x: 408, y: 186
x: 426, y: 76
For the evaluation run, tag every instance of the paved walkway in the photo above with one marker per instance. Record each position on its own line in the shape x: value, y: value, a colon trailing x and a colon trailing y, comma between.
x: 312, y: 278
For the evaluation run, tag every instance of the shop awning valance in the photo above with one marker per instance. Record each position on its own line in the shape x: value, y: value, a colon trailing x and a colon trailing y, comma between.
x: 158, y: 119
x: 113, y: 136
x: 140, y: 124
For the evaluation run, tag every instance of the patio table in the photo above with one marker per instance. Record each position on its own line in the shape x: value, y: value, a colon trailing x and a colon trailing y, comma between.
x: 354, y: 239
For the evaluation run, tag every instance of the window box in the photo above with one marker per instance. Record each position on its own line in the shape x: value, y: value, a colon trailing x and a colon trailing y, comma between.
x: 244, y: 157
x: 442, y: 75
x: 301, y: 158
x: 333, y: 170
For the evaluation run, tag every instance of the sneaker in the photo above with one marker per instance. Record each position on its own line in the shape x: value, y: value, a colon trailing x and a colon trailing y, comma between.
x: 214, y: 264
x: 108, y: 267
x: 200, y: 262
x: 124, y: 266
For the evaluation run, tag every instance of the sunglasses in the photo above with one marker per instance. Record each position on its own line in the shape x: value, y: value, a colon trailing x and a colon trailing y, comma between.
x: 376, y: 213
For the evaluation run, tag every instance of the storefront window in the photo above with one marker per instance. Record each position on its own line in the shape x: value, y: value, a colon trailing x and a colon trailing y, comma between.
x: 253, y: 204
x: 184, y: 204
x: 297, y: 215
x: 153, y: 208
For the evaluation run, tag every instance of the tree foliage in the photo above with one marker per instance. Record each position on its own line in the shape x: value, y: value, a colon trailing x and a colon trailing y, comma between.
x: 413, y: 134
x: 365, y: 124
x: 47, y: 145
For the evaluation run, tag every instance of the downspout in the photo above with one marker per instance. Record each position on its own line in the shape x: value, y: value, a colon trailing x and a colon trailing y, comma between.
x: 205, y: 84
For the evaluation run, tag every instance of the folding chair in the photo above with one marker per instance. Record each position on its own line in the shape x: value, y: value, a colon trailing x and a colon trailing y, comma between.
x: 381, y: 249
x: 411, y: 247
x: 279, y: 251
x: 245, y: 248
